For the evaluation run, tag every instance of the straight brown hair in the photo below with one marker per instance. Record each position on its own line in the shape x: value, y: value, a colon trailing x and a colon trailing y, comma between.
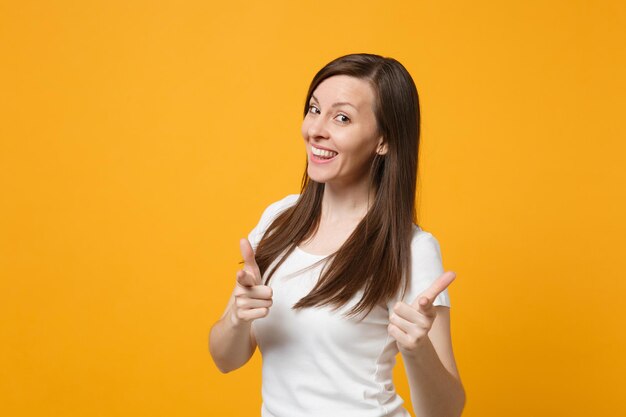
x: 376, y: 257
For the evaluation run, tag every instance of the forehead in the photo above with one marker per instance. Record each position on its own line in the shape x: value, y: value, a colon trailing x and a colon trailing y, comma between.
x: 338, y: 88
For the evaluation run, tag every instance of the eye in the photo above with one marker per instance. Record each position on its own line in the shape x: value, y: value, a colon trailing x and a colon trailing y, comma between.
x: 345, y: 120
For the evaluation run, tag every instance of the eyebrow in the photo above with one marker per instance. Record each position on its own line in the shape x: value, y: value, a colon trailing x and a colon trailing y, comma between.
x: 337, y: 104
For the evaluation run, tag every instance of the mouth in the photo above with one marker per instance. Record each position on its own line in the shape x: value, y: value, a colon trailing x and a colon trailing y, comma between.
x: 322, y: 155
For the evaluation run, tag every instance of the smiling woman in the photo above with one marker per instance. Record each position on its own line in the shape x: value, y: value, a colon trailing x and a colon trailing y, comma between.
x: 340, y: 126
x: 340, y: 278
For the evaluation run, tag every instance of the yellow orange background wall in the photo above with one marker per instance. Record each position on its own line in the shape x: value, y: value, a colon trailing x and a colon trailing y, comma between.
x: 140, y: 140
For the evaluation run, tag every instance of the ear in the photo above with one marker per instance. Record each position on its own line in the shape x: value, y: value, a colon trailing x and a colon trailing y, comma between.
x: 381, y: 149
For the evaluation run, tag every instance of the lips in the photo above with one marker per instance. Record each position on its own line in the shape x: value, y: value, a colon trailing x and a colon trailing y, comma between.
x: 323, y: 153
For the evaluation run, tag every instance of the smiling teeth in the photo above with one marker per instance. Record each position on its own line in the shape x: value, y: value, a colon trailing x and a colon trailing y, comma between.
x: 322, y: 152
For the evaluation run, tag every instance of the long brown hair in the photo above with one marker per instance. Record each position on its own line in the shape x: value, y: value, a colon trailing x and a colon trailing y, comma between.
x: 376, y: 257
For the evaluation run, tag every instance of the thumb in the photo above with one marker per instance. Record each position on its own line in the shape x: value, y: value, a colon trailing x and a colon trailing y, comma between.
x: 248, y: 258
x: 424, y: 305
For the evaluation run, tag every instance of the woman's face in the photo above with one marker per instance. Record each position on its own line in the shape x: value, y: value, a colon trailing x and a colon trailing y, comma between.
x: 340, y: 132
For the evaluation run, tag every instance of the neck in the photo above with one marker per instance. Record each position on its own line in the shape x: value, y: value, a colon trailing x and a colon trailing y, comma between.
x: 346, y: 203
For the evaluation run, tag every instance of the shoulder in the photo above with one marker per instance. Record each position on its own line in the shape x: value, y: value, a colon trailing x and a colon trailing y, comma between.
x: 269, y: 214
x: 424, y: 244
x: 277, y: 207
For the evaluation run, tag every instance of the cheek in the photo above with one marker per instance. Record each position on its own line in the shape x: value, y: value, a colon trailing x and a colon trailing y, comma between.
x: 358, y: 151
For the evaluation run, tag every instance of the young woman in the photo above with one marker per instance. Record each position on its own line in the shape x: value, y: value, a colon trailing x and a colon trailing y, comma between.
x: 340, y: 278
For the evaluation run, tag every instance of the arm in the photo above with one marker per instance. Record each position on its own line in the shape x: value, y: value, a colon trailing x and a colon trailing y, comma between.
x: 231, y: 343
x: 436, y: 389
x: 231, y: 339
x: 422, y: 332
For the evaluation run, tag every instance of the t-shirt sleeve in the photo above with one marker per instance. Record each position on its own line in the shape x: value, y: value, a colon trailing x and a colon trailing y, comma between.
x: 426, y: 267
x: 268, y: 216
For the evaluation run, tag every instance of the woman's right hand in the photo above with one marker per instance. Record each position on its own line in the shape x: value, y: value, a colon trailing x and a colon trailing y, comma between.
x: 252, y: 299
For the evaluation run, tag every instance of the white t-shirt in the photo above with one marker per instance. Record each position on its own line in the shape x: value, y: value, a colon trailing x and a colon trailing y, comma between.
x: 316, y: 362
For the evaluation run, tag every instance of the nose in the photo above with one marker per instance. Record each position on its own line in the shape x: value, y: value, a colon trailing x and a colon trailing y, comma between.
x: 317, y: 128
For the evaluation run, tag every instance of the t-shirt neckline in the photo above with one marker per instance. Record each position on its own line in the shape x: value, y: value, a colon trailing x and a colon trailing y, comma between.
x: 310, y: 254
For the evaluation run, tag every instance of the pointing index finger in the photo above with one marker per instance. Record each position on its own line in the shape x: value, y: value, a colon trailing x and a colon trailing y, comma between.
x: 438, y: 286
x: 245, y: 279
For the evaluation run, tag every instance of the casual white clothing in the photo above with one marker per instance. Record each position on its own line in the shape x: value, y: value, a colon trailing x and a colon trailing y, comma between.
x: 317, y: 363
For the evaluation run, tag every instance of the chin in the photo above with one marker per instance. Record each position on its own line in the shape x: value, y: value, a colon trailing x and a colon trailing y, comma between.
x: 318, y: 179
x: 315, y: 176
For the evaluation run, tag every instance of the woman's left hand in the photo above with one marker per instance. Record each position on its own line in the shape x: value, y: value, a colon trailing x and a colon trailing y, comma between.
x: 409, y: 324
